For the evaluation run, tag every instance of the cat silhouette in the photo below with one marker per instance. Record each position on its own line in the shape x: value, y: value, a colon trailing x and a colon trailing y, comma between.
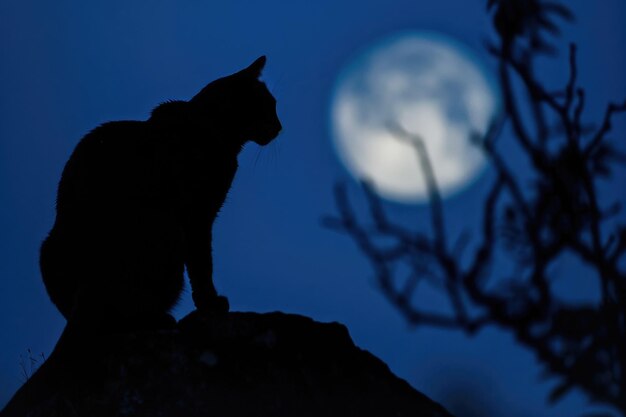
x: 137, y: 201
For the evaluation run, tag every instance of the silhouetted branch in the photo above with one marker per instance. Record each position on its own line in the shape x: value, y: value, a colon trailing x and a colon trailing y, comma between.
x: 434, y: 197
x: 606, y: 125
x: 558, y: 212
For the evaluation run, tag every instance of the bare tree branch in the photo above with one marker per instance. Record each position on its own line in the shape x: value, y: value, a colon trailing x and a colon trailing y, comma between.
x: 556, y: 213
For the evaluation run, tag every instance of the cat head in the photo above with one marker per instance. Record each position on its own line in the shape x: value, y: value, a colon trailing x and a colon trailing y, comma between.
x: 243, y: 103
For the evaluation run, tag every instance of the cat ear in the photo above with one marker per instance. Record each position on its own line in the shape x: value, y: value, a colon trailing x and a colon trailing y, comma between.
x: 256, y: 67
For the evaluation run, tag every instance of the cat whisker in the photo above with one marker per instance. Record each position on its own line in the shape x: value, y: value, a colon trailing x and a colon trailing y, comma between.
x: 276, y: 152
x: 256, y: 158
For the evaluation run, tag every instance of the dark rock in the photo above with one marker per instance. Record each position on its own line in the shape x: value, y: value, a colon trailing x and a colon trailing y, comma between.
x: 240, y: 364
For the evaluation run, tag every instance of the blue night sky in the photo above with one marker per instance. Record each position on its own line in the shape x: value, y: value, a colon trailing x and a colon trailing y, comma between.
x: 67, y: 66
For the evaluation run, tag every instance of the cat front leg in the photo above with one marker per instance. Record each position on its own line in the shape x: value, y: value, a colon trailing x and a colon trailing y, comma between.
x: 199, y: 263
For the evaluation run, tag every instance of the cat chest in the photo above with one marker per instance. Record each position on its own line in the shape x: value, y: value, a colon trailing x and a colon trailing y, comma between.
x: 162, y: 178
x: 203, y: 180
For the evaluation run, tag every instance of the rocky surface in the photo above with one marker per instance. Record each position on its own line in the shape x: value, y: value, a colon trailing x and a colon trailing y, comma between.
x: 241, y: 364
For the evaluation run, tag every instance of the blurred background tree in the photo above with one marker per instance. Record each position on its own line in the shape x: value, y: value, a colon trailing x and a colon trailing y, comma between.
x: 532, y: 218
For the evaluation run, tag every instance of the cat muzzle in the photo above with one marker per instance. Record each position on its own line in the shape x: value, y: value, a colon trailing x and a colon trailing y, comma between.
x: 270, y: 134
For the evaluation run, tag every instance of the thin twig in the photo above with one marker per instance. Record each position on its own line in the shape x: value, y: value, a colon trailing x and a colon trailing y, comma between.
x: 434, y: 197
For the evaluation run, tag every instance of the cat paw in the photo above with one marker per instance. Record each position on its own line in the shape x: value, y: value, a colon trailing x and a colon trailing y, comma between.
x: 217, y: 305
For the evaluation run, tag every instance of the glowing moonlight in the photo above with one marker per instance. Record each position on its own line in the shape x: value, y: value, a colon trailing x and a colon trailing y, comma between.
x: 431, y: 88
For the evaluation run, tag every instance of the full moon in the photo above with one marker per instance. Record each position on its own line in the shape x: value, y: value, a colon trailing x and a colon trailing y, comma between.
x: 428, y: 86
